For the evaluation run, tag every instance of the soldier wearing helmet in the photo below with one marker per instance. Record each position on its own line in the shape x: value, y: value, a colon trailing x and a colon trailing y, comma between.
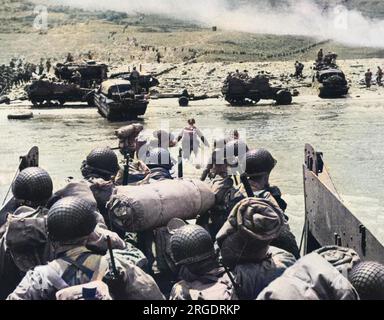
x: 70, y: 221
x: 246, y: 245
x: 32, y: 187
x: 127, y: 136
x: 100, y: 163
x: 368, y: 280
x: 259, y: 164
x: 160, y: 164
x: 202, y: 278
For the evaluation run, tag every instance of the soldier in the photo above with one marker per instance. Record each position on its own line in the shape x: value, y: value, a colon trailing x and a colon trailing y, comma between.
x: 310, y: 278
x: 379, y: 76
x: 127, y: 136
x: 217, y: 164
x: 258, y: 166
x: 159, y: 163
x: 70, y: 221
x: 245, y: 243
x: 32, y: 187
x: 189, y: 136
x: 48, y: 65
x: 368, y: 279
x: 69, y: 57
x: 100, y: 163
x: 299, y: 67
x: 202, y: 278
x: 368, y: 78
x: 320, y: 55
x: 76, y: 77
x: 329, y: 273
x: 134, y: 77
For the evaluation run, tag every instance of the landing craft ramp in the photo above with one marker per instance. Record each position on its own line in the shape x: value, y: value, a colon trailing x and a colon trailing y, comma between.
x: 327, y: 220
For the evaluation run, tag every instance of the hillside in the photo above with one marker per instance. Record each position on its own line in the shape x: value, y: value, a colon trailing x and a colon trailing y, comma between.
x: 119, y: 38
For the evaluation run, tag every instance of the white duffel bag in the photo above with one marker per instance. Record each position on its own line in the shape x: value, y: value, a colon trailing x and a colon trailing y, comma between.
x: 145, y: 207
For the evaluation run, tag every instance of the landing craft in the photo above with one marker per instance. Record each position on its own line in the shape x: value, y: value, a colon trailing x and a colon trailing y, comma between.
x: 327, y: 219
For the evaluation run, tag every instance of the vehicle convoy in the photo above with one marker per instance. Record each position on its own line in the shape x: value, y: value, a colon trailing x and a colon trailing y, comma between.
x: 330, y: 81
x: 42, y: 93
x: 240, y: 89
x: 116, y: 100
x: 143, y: 83
x: 88, y: 74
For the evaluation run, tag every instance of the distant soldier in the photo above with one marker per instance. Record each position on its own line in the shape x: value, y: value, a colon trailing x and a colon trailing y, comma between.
x: 69, y: 57
x: 76, y: 77
x: 299, y: 67
x: 189, y: 137
x: 48, y: 65
x: 320, y: 55
x: 379, y: 76
x: 134, y: 78
x: 368, y: 78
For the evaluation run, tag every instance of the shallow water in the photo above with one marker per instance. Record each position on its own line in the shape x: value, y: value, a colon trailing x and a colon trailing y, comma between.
x: 348, y: 131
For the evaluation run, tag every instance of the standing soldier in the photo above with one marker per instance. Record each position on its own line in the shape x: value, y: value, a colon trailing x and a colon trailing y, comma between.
x: 379, y: 76
x: 368, y: 78
x: 320, y: 55
x: 299, y: 67
x: 134, y: 78
x: 48, y: 65
x: 189, y: 139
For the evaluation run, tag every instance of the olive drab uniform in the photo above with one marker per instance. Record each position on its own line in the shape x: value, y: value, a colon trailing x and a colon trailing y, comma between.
x: 214, y: 285
x: 23, y: 246
x: 230, y: 196
x: 74, y: 267
x: 78, y: 266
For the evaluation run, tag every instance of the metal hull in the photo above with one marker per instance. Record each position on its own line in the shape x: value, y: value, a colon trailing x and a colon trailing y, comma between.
x: 328, y: 220
x: 339, y: 92
x: 120, y: 110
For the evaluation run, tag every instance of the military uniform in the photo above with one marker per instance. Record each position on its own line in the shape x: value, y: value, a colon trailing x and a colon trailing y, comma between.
x: 78, y: 266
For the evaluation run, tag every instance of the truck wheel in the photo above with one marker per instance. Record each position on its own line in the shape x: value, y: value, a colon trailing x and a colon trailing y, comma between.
x: 283, y: 98
x: 183, y: 102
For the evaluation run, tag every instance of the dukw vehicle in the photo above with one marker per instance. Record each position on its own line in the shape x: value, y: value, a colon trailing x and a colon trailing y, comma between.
x: 116, y: 100
x: 241, y: 90
x: 330, y: 82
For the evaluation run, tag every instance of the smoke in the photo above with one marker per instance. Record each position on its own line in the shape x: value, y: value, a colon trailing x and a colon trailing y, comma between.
x: 294, y: 17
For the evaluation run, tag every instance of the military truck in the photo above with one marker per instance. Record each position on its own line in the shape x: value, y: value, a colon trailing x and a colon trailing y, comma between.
x: 43, y: 93
x: 88, y: 74
x: 330, y: 81
x: 142, y: 84
x: 116, y: 100
x: 240, y: 89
